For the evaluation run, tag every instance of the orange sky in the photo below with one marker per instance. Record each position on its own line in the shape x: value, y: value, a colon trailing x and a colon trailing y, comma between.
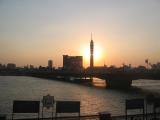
x: 31, y: 32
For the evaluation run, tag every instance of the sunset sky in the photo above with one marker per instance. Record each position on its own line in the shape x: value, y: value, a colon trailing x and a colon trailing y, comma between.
x: 124, y: 31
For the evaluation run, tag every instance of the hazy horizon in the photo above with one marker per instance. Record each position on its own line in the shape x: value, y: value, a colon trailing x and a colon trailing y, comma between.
x: 124, y: 31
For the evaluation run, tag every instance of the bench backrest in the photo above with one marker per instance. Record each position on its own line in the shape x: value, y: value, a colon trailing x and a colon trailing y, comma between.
x: 26, y: 106
x: 68, y: 107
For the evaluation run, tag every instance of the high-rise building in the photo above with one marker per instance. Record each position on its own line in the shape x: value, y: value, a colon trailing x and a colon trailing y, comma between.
x: 11, y: 66
x: 50, y: 64
x: 72, y: 63
x: 91, y: 53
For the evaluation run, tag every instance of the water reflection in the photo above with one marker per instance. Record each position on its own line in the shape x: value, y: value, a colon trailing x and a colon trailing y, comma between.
x: 99, y: 83
x: 93, y: 99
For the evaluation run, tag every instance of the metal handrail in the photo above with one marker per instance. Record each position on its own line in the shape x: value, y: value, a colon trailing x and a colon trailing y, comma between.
x: 62, y: 117
x: 92, y: 117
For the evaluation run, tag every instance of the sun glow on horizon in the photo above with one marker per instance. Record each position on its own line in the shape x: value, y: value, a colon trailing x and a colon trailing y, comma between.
x: 85, y: 51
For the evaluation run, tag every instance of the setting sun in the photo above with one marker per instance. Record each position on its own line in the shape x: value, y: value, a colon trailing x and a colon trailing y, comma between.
x: 86, y: 54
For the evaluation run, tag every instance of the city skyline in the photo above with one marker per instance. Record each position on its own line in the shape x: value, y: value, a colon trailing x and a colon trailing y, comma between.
x: 32, y: 32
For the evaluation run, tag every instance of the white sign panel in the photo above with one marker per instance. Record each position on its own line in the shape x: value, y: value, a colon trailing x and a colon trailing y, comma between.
x: 48, y: 101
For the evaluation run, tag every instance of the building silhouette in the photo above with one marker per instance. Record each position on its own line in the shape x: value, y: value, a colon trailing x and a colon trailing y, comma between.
x: 11, y: 66
x: 72, y: 63
x: 91, y: 53
x: 50, y: 64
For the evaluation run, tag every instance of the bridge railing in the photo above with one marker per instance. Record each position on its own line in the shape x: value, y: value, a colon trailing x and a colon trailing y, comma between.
x: 149, y: 116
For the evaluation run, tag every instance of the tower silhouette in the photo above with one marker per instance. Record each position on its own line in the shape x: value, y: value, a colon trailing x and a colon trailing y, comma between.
x: 91, y: 53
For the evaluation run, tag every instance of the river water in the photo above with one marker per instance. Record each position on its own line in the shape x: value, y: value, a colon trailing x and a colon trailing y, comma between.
x: 93, y: 99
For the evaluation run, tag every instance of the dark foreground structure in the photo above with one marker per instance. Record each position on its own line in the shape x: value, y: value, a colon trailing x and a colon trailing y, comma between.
x: 70, y: 110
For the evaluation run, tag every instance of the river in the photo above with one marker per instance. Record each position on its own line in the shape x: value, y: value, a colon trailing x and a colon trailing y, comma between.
x: 93, y: 99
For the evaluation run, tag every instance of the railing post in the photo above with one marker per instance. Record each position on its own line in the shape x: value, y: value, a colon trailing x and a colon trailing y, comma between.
x: 104, y: 116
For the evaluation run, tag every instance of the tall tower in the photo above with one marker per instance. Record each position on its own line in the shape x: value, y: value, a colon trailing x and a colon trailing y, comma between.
x: 91, y: 52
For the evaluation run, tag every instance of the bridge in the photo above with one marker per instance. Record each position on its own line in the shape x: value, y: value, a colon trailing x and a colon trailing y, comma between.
x: 121, y: 80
